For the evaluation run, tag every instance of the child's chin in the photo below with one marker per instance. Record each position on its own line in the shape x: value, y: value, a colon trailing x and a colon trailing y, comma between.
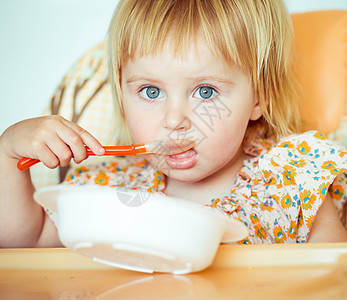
x: 186, y: 175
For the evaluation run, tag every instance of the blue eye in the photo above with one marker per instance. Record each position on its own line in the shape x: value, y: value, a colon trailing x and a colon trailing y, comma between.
x: 205, y: 93
x: 151, y: 93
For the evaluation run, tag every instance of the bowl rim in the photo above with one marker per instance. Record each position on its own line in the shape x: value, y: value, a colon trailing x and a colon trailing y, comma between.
x: 235, y: 229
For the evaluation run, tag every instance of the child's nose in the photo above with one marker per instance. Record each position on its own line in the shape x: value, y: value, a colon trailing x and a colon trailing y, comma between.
x: 176, y: 119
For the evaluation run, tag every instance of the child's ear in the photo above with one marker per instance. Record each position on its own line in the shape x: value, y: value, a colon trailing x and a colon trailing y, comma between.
x: 256, y: 111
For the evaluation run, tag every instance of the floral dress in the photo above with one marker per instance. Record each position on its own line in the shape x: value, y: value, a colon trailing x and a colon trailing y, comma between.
x: 276, y: 194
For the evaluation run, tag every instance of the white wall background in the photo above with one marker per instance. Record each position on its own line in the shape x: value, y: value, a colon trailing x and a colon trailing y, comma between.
x: 41, y: 39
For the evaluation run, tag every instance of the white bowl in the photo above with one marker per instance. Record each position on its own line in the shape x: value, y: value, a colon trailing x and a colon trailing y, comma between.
x: 139, y: 231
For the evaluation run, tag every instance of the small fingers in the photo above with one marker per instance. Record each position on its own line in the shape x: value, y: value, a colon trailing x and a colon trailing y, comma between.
x: 87, y: 139
x: 64, y: 140
x: 73, y: 145
x: 48, y: 158
x: 61, y: 150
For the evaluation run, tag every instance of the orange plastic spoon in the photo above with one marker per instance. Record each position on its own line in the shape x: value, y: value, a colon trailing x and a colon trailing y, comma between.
x: 162, y: 147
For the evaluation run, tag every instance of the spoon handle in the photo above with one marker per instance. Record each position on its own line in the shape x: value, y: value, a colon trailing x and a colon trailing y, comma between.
x: 26, y: 162
x: 161, y: 147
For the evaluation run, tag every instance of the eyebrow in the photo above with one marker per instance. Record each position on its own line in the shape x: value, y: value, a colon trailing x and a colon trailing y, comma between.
x: 141, y: 78
x: 211, y: 78
x: 196, y: 79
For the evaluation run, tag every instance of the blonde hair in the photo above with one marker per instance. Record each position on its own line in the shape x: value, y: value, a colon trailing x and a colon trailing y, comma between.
x: 255, y: 34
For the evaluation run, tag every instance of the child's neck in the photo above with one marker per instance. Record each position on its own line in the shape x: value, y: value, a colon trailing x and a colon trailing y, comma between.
x: 216, y: 185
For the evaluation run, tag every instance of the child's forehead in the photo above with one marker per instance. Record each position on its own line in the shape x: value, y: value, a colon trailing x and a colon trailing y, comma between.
x: 198, y: 64
x: 198, y: 47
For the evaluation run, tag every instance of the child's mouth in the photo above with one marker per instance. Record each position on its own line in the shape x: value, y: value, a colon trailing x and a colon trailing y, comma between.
x: 184, y: 160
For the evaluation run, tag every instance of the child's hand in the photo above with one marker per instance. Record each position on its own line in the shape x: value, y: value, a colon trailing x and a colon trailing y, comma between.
x: 51, y: 139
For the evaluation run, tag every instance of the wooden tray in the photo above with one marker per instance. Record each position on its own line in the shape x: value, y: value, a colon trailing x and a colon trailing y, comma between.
x: 306, y: 271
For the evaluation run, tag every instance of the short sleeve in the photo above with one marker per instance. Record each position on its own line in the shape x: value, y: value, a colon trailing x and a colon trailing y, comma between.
x: 299, y: 171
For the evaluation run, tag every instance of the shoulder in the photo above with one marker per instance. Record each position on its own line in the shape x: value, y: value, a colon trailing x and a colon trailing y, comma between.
x: 307, y: 159
x: 307, y: 142
x: 279, y: 192
x: 311, y: 147
x: 303, y: 168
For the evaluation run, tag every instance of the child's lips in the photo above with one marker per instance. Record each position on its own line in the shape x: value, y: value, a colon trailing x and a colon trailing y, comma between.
x: 184, y: 160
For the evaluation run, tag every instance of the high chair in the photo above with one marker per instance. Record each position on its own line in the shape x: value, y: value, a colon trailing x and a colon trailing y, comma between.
x: 84, y: 94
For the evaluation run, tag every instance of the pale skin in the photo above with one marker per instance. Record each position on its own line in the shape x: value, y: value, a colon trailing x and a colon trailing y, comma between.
x: 54, y: 141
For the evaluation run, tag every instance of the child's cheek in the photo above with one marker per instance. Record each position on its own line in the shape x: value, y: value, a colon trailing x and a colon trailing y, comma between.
x: 141, y: 130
